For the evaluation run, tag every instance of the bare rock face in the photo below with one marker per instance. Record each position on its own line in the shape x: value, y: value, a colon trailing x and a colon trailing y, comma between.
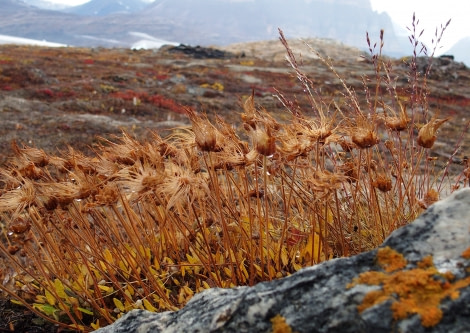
x: 417, y: 281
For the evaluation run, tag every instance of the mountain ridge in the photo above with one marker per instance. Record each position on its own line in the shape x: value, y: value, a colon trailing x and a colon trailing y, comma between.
x: 107, y: 7
x: 209, y: 23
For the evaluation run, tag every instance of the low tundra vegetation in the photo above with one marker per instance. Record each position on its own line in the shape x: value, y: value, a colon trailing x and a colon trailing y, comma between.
x: 148, y: 223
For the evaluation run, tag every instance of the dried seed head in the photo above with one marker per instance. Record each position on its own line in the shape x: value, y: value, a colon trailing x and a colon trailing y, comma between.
x: 248, y: 118
x: 50, y: 203
x: 205, y: 137
x: 107, y: 195
x: 324, y: 181
x: 389, y: 145
x: 383, y: 183
x: 324, y: 132
x: 350, y: 170
x: 364, y: 138
x: 12, y: 249
x: 430, y: 197
x: 182, y: 186
x: 427, y: 133
x: 264, y: 142
x: 397, y: 123
x: 18, y: 198
x: 205, y: 134
x: 347, y: 146
x: 151, y: 182
x: 251, y: 156
x: 34, y: 155
x: 19, y: 225
x: 31, y: 171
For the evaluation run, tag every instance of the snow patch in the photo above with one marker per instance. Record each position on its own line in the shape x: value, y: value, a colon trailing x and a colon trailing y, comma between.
x: 5, y: 39
x: 149, y: 42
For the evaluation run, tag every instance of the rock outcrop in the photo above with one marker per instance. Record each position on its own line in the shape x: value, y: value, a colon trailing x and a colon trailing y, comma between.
x: 417, y: 281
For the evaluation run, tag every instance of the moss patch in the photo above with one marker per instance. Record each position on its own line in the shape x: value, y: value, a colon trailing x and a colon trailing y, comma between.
x: 414, y: 291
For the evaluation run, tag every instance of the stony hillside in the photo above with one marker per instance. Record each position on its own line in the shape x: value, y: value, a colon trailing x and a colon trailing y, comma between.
x: 54, y: 97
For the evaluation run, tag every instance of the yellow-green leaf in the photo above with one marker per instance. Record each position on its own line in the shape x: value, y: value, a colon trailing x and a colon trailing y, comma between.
x: 85, y: 311
x: 191, y: 259
x: 312, y: 248
x: 41, y: 299
x: 77, y: 327
x: 49, y: 297
x: 243, y: 269
x: 188, y: 290
x: 118, y: 304
x: 148, y: 306
x: 45, y: 308
x: 14, y: 301
x: 145, y: 252
x: 96, y: 325
x: 228, y: 271
x: 106, y: 289
x: 284, y: 257
x: 73, y: 301
x: 108, y: 256
x: 59, y: 289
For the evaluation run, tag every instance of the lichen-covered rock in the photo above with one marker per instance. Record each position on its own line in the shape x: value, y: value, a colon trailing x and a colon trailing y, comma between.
x: 417, y: 281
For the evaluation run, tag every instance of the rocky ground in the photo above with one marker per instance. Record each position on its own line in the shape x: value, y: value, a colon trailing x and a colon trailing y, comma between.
x: 53, y: 98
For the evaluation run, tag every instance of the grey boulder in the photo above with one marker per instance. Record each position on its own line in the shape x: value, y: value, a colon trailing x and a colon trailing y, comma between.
x: 418, y: 280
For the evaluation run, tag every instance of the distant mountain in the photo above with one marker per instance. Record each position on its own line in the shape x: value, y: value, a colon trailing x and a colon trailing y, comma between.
x: 461, y: 51
x: 107, y: 7
x: 225, y: 21
x: 22, y: 20
x: 203, y: 22
x: 43, y: 4
x: 11, y: 6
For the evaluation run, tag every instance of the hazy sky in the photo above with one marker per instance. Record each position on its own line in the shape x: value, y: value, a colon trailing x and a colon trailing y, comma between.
x: 69, y: 2
x: 431, y: 14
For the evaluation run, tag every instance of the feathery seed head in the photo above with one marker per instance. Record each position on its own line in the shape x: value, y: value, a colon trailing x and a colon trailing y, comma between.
x: 382, y: 182
x: 397, y: 123
x: 20, y: 225
x: 264, y: 142
x: 17, y: 199
x: 429, y: 198
x: 350, y: 170
x: 34, y: 155
x: 205, y: 134
x: 364, y: 137
x: 427, y: 133
x: 107, y: 195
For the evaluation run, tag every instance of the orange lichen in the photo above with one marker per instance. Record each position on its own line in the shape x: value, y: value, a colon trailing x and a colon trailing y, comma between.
x: 280, y: 325
x: 390, y: 260
x: 466, y: 253
x: 426, y: 262
x: 415, y: 291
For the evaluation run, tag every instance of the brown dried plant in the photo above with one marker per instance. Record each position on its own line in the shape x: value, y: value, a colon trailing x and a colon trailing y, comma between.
x: 149, y: 224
